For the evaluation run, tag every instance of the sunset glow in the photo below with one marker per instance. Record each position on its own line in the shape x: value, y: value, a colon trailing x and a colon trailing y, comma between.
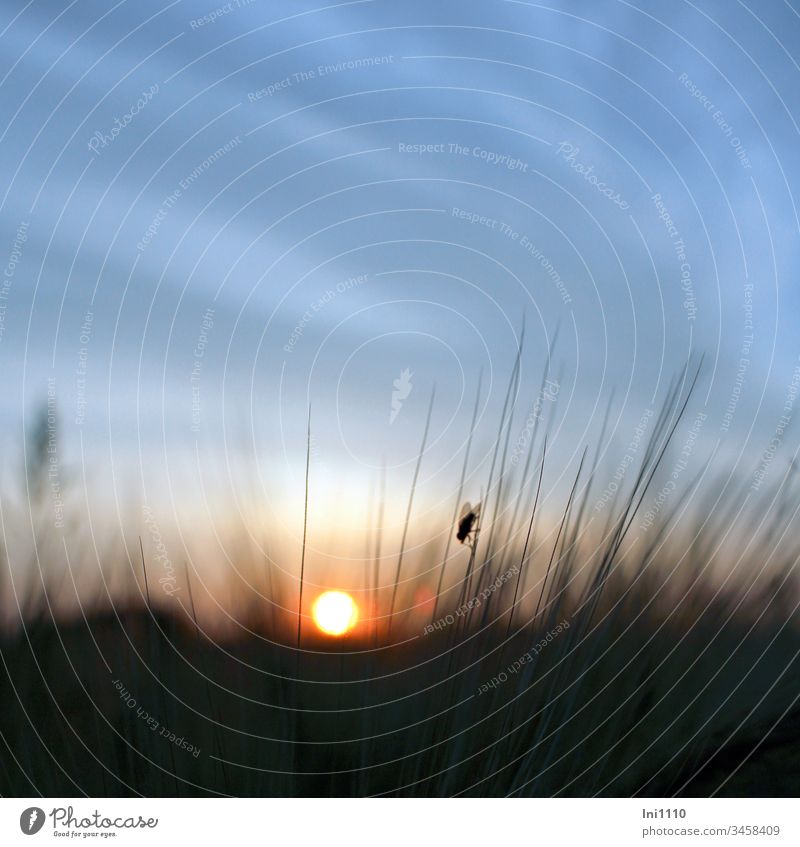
x: 335, y: 612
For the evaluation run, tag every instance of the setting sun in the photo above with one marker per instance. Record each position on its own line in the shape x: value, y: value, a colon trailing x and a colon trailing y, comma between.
x: 335, y: 612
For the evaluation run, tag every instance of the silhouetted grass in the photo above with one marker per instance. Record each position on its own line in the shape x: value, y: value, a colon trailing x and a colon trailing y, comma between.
x: 595, y: 662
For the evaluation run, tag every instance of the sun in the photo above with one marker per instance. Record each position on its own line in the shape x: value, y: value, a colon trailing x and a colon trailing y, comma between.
x: 335, y: 612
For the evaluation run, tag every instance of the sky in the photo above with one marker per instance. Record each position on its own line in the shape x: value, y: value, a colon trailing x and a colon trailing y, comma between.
x: 217, y: 216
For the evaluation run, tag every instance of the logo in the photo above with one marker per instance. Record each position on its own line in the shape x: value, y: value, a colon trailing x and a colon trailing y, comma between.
x: 31, y: 820
x: 402, y: 388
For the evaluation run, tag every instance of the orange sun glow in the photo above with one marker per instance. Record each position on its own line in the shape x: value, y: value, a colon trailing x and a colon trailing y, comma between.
x: 335, y: 612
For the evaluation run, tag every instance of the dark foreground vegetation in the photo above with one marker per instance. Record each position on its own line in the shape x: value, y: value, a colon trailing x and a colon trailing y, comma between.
x: 597, y: 662
x: 622, y: 703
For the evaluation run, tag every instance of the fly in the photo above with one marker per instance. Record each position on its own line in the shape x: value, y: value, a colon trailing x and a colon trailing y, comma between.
x: 467, y: 523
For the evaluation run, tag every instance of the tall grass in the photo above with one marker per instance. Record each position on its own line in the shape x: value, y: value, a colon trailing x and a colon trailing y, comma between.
x: 410, y: 506
x: 305, y: 536
x: 596, y: 661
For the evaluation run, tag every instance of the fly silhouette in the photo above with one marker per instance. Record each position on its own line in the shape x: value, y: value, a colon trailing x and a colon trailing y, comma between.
x: 466, y: 523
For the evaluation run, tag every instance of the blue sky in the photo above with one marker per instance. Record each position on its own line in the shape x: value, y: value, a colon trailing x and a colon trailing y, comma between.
x: 468, y: 165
